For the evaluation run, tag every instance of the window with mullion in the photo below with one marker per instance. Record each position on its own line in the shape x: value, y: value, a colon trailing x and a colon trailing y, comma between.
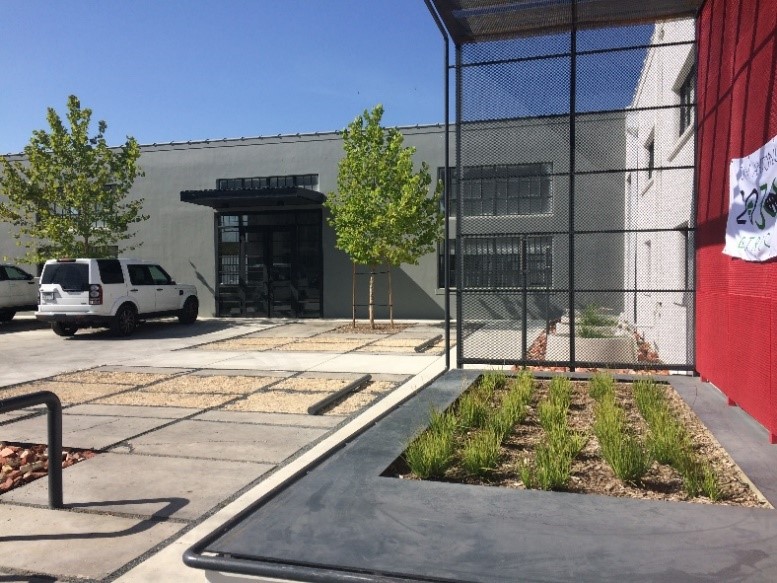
x: 503, y: 189
x: 687, y: 93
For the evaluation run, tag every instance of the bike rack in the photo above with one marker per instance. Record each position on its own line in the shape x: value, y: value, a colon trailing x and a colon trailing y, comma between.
x: 54, y: 406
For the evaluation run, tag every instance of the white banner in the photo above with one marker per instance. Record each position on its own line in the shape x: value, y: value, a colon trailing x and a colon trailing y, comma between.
x: 750, y: 232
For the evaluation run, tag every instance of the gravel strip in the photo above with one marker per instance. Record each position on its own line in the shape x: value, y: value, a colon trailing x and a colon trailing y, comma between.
x: 68, y: 393
x: 218, y: 384
x: 149, y: 399
x: 113, y: 377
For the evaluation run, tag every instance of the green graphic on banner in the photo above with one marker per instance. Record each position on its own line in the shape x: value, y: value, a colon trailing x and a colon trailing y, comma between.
x: 752, y: 217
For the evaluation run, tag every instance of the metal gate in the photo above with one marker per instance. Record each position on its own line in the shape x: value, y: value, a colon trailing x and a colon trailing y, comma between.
x: 572, y: 198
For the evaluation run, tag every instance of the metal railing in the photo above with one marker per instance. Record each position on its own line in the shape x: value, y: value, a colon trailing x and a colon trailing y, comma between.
x: 54, y: 407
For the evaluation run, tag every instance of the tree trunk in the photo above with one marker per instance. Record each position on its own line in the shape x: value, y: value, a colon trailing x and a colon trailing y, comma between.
x: 390, y: 298
x: 372, y: 297
x: 353, y: 296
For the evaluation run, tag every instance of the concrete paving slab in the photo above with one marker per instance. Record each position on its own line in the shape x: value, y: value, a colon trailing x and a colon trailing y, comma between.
x: 290, y: 361
x: 82, y: 431
x: 375, y: 363
x: 11, y: 415
x: 188, y: 357
x: 74, y: 544
x: 161, y: 487
x: 136, y: 411
x: 259, y: 418
x: 297, y: 330
x: 228, y: 441
x: 167, y: 566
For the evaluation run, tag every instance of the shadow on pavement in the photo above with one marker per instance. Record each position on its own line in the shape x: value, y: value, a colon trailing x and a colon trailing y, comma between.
x: 168, y: 328
x: 171, y: 507
x: 21, y: 325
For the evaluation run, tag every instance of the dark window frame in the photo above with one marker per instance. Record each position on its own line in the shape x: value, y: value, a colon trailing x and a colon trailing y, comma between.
x: 651, y: 153
x: 309, y: 181
x: 687, y: 95
x: 494, y: 262
x: 503, y: 189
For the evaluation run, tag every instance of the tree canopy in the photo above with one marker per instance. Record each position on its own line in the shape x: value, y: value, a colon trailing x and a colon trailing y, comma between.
x: 382, y: 212
x: 66, y: 196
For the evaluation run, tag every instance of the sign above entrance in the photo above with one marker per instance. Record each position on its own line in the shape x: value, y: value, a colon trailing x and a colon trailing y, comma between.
x: 752, y: 215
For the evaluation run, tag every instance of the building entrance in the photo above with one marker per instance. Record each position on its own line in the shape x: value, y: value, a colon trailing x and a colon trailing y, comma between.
x: 270, y: 264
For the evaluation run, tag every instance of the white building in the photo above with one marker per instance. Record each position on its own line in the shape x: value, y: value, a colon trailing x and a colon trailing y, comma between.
x: 660, y: 192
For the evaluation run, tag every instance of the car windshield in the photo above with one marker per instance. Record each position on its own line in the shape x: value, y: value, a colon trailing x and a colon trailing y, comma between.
x: 69, y: 276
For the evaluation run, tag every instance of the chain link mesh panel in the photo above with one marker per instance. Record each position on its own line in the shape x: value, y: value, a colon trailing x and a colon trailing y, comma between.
x: 573, y: 198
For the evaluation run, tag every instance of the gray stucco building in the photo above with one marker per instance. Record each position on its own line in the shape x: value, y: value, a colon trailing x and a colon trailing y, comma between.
x: 243, y: 220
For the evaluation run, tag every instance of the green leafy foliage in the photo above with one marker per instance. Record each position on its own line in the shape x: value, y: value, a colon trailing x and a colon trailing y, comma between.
x: 622, y: 450
x: 601, y: 385
x: 66, y: 198
x: 481, y: 452
x: 472, y: 410
x: 382, y: 212
x: 669, y: 442
x: 429, y: 455
x: 591, y: 315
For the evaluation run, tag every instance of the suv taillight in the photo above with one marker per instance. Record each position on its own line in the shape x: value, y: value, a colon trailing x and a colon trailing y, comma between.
x: 95, y: 294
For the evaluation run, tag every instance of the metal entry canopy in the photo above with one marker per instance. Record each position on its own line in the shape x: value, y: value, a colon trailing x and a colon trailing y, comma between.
x: 253, y: 197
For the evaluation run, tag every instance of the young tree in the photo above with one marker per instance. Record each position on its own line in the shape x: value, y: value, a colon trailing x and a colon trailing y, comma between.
x: 414, y: 220
x: 67, y: 196
x: 382, y: 213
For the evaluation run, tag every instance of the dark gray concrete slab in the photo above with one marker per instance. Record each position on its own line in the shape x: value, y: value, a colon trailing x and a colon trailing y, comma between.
x: 82, y: 431
x: 75, y: 544
x: 144, y: 485
x: 228, y: 441
x: 343, y: 518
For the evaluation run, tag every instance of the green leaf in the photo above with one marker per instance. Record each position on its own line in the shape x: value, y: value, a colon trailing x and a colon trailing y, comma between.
x: 68, y: 196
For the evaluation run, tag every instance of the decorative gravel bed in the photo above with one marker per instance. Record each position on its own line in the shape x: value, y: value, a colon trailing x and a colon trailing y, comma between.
x: 70, y: 393
x: 591, y: 474
x: 217, y: 384
x: 22, y: 463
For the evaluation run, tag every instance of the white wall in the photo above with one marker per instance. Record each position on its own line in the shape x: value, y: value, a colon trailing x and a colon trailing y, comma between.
x: 663, y: 200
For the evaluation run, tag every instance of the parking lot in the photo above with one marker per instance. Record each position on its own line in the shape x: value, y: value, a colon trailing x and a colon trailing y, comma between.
x: 188, y: 422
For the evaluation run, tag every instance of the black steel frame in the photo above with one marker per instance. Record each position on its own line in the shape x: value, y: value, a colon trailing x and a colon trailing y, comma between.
x: 573, y: 233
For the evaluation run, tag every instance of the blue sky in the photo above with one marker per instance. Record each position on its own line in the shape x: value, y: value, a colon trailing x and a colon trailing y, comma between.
x: 178, y: 70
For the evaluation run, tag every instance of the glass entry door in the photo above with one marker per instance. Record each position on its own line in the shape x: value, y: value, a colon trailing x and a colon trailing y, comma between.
x: 270, y: 265
x: 268, y: 255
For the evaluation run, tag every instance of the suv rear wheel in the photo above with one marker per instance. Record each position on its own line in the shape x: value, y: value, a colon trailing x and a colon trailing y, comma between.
x: 7, y: 315
x: 188, y: 314
x: 62, y: 329
x: 125, y: 321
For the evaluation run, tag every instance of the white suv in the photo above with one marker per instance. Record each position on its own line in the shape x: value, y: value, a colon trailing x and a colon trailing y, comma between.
x: 115, y: 293
x: 18, y: 291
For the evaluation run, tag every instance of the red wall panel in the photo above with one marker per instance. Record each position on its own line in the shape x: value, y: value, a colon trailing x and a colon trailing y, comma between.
x: 736, y: 308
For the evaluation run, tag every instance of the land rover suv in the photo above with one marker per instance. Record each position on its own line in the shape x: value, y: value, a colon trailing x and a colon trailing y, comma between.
x: 18, y: 291
x: 112, y: 293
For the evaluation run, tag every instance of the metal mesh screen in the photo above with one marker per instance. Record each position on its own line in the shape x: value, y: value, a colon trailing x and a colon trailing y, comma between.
x: 573, y: 197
